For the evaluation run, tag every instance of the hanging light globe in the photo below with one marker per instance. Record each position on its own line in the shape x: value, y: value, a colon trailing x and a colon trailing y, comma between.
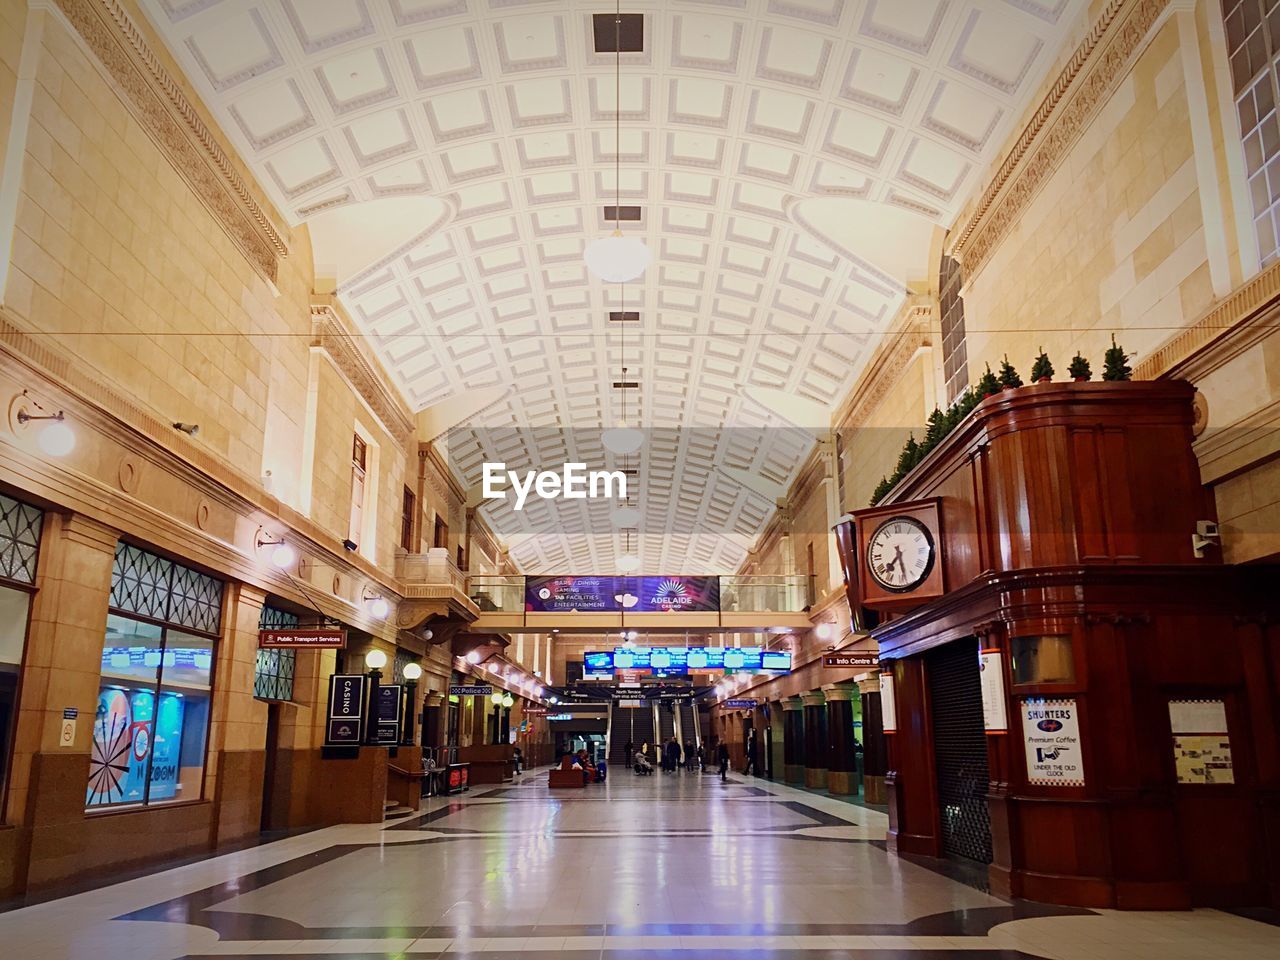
x: 629, y: 562
x: 617, y: 259
x: 625, y: 517
x: 622, y: 440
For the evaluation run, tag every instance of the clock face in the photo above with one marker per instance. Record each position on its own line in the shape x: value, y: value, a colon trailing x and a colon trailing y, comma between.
x: 900, y: 554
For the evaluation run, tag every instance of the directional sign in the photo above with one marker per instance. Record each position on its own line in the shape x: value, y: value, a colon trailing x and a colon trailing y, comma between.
x: 851, y: 660
x: 326, y: 639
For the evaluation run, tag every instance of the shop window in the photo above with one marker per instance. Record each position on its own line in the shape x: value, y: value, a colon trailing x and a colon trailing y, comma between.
x: 273, y: 673
x: 151, y: 726
x: 20, y: 526
x: 408, y: 508
x: 1252, y: 30
x: 1047, y: 659
x: 359, y: 473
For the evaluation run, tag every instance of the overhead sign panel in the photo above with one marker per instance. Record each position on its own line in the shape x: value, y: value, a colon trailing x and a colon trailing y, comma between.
x: 673, y: 594
x: 679, y: 661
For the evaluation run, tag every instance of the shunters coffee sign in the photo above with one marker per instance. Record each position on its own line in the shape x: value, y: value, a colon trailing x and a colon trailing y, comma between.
x: 1051, y: 735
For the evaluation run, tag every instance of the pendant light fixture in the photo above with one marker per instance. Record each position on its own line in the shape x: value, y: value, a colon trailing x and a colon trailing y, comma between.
x: 615, y: 258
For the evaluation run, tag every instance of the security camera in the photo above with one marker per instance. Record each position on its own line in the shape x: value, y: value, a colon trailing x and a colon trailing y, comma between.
x: 1206, y: 535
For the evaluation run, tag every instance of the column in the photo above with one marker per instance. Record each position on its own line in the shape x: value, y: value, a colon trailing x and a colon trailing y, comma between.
x: 61, y: 668
x: 236, y: 762
x: 874, y: 757
x: 793, y: 746
x: 842, y: 768
x: 815, y: 740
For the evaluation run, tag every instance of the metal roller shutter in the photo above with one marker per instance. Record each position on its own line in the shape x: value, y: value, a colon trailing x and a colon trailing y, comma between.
x: 960, y: 749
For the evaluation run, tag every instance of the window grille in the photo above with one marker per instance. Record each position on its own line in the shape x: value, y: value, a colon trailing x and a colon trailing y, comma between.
x: 20, y: 526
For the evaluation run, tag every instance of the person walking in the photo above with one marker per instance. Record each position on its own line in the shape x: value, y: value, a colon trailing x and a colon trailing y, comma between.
x: 751, y: 767
x: 722, y: 755
x: 630, y: 748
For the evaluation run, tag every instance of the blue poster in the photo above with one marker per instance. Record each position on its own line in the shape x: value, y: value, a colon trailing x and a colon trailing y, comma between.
x: 167, y: 749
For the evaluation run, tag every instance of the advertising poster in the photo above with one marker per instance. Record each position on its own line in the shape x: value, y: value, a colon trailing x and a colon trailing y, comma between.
x: 110, y: 749
x: 166, y: 750
x: 571, y: 594
x: 1201, y: 746
x: 346, y: 709
x: 995, y: 715
x: 615, y: 594
x: 143, y: 706
x: 888, y: 705
x: 1051, y: 736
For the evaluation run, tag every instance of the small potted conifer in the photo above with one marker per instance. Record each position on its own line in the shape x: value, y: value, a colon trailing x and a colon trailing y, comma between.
x: 1116, y: 363
x: 1008, y: 376
x: 1080, y: 370
x: 988, y: 385
x: 1042, y: 369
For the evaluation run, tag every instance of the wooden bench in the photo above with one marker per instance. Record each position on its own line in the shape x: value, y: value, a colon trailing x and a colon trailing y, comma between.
x: 565, y: 777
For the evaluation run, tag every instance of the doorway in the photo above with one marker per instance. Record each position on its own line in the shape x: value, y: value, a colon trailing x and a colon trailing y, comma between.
x: 269, y: 821
x: 960, y: 749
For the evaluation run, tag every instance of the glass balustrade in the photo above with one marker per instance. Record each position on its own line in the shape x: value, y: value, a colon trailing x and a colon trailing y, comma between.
x: 766, y: 594
x: 497, y: 594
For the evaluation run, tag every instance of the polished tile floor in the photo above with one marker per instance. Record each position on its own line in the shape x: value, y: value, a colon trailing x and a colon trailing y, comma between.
x: 680, y: 866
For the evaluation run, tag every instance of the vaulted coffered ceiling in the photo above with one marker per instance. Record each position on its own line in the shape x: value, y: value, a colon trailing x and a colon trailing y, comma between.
x: 790, y: 159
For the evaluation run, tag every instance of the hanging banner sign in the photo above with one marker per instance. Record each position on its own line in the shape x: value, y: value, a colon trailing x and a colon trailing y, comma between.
x: 888, y: 705
x: 346, y: 710
x: 995, y: 713
x: 851, y: 660
x: 615, y: 594
x: 470, y: 690
x: 390, y: 700
x: 740, y: 704
x: 1051, y: 735
x: 319, y: 639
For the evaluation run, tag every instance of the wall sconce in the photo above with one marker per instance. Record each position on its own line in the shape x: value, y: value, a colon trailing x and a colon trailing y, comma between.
x: 56, y: 438
x: 376, y: 604
x: 282, y: 555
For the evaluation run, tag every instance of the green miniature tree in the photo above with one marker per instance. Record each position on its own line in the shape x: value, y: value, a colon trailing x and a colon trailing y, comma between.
x: 1116, y: 363
x: 988, y: 385
x: 936, y: 429
x: 1008, y: 376
x: 881, y: 491
x: 1080, y: 370
x: 909, y: 457
x: 1042, y: 369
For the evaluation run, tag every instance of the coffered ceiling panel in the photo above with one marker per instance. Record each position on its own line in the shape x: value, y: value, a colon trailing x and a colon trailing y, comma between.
x: 737, y: 116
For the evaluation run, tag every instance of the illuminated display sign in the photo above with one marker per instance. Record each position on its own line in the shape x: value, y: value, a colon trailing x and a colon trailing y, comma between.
x: 613, y: 594
x: 678, y: 661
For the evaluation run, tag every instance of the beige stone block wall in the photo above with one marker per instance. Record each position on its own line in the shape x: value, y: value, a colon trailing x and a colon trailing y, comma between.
x: 13, y: 21
x: 870, y: 450
x: 1114, y: 242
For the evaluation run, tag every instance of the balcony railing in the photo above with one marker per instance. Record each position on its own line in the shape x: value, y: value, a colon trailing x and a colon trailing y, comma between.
x: 497, y: 594
x: 766, y: 594
x: 433, y: 567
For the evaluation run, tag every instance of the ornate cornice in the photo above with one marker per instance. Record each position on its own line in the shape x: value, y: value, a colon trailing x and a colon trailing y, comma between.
x: 1081, y: 90
x: 1224, y: 331
x: 330, y: 334
x: 173, y: 122
x: 885, y: 371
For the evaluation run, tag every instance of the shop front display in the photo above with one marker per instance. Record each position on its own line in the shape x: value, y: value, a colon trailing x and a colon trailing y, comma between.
x: 152, y: 718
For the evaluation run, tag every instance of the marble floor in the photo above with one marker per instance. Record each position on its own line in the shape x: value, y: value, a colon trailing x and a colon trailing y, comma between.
x: 679, y: 865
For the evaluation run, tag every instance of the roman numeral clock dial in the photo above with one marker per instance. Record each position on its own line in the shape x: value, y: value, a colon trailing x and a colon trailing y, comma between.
x: 900, y: 554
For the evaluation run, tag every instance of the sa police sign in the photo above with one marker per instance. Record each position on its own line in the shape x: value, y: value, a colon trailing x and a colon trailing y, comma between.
x: 1051, y: 736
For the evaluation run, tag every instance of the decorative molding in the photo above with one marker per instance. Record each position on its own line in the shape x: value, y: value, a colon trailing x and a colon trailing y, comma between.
x: 1081, y: 90
x: 162, y: 108
x: 330, y: 334
x: 1223, y: 332
x: 886, y: 368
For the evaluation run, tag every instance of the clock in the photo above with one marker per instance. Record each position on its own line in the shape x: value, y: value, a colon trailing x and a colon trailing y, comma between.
x: 900, y: 554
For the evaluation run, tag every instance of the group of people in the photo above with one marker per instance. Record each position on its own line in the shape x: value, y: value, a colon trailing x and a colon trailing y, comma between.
x: 592, y: 772
x: 676, y: 757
